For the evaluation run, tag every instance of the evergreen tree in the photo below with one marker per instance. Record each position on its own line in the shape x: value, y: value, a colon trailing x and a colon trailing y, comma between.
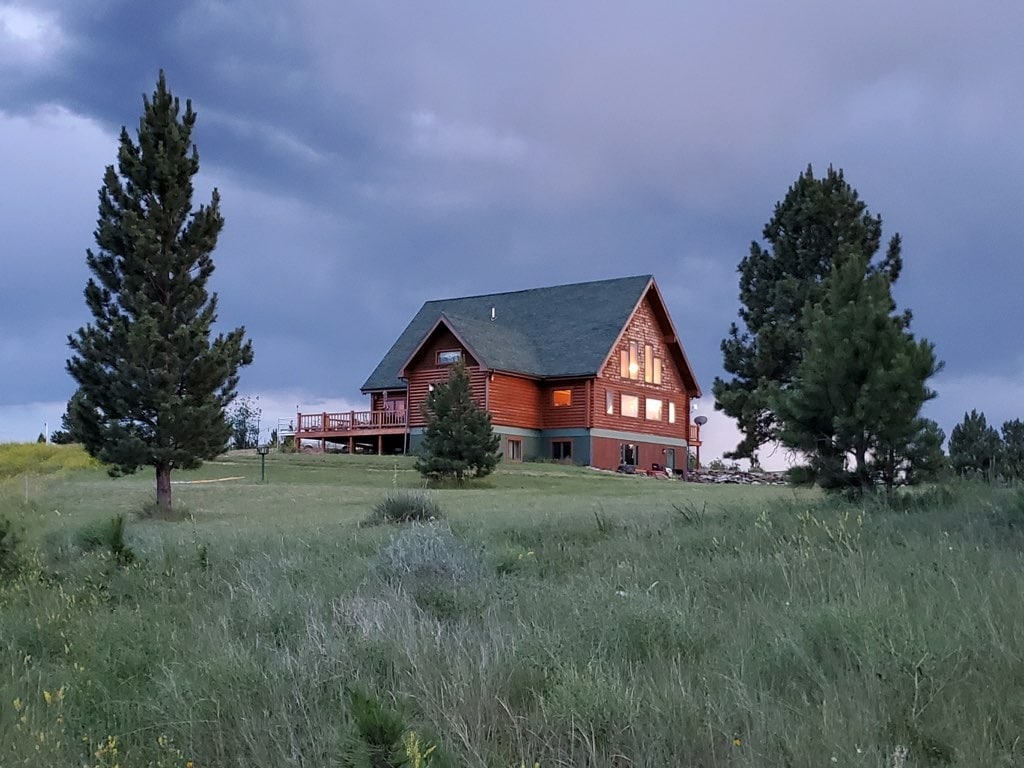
x: 914, y: 461
x: 855, y: 398
x: 819, y: 224
x: 244, y: 419
x: 458, y: 440
x: 154, y: 385
x: 1013, y: 449
x: 70, y: 430
x: 974, y: 447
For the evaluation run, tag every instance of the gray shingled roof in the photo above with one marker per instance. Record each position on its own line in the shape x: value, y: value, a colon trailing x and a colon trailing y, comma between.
x: 563, y: 330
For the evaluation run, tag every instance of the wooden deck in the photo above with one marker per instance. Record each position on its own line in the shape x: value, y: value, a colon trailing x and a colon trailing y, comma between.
x: 350, y: 423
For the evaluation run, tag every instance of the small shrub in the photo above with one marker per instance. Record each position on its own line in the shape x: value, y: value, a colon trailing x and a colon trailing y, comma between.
x: 428, y: 553
x: 379, y: 727
x: 10, y: 550
x: 405, y: 507
x: 109, y: 536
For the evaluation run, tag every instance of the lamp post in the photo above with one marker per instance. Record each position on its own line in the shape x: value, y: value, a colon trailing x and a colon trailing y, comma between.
x: 263, y: 450
x: 700, y: 421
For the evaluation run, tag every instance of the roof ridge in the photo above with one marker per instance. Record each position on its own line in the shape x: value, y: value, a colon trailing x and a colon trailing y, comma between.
x: 539, y: 288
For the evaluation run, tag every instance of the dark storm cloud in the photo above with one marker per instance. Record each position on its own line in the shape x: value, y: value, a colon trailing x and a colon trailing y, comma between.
x: 372, y: 156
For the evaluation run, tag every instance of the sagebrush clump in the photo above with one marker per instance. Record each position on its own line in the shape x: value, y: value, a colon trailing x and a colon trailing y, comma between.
x: 405, y: 507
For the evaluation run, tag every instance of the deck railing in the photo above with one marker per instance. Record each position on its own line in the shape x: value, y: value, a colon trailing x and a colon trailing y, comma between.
x: 350, y: 421
x: 694, y: 435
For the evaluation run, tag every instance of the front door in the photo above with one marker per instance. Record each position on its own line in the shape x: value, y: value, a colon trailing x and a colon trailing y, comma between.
x: 670, y: 459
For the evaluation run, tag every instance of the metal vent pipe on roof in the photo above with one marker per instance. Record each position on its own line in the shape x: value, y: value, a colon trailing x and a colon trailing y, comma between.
x: 493, y: 313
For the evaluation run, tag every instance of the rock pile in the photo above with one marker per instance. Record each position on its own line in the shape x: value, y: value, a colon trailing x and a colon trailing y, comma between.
x: 736, y: 477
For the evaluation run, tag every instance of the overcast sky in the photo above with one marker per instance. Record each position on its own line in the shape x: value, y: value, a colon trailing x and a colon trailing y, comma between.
x: 374, y: 155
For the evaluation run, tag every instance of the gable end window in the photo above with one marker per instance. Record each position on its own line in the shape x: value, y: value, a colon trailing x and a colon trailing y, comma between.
x: 630, y: 405
x: 449, y: 356
x: 560, y: 398
x: 652, y: 409
x: 629, y: 362
x: 657, y: 370
x: 648, y: 364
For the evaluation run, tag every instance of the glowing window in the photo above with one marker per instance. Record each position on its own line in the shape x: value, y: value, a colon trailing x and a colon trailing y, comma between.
x: 648, y: 364
x: 561, y: 397
x: 652, y: 409
x: 657, y: 370
x: 634, y: 363
x: 630, y: 405
x: 671, y: 413
x: 624, y: 364
x: 609, y: 402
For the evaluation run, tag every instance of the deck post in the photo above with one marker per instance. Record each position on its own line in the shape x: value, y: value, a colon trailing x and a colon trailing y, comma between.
x: 351, y: 445
x: 380, y: 445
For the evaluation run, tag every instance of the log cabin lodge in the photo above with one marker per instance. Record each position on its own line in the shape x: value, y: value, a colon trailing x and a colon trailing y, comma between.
x: 593, y: 373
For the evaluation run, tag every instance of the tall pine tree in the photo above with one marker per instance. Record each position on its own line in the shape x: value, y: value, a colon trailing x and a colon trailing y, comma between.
x: 815, y: 227
x: 153, y: 384
x: 853, y: 405
x: 458, y: 441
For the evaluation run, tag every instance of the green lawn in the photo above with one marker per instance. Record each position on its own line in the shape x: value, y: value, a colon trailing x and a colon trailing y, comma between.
x: 555, y: 615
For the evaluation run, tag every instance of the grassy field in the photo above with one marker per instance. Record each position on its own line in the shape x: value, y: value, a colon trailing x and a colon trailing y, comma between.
x: 554, y: 615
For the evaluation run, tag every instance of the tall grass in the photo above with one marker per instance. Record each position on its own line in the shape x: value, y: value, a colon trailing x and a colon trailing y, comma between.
x: 41, y: 458
x: 537, y: 623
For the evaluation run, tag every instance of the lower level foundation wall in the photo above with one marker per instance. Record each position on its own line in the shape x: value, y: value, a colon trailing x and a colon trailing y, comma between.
x: 607, y: 453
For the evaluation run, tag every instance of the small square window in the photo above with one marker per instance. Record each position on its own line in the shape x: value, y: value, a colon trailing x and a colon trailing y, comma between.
x: 630, y: 405
x: 561, y: 398
x: 449, y: 356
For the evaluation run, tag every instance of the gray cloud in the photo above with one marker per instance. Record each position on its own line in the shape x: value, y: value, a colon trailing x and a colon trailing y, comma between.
x: 373, y: 156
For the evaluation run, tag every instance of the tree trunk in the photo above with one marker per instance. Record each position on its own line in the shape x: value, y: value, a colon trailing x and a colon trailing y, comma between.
x: 163, y: 487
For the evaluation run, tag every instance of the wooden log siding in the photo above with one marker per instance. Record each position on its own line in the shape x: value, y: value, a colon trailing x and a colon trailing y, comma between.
x: 644, y: 329
x: 564, y: 416
x: 423, y: 371
x: 514, y: 401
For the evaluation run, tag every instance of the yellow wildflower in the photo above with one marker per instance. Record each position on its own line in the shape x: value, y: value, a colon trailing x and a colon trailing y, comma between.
x: 737, y: 742
x: 17, y: 705
x: 47, y: 697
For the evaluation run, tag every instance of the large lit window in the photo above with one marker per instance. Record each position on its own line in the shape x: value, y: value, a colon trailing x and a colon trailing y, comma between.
x: 657, y: 370
x: 634, y: 362
x: 652, y: 409
x: 609, y: 402
x: 648, y: 363
x: 449, y: 356
x: 671, y: 413
x: 630, y: 405
x: 561, y: 398
x: 624, y: 363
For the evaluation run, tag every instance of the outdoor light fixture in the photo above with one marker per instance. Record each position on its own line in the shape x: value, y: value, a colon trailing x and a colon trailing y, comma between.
x: 701, y: 420
x: 263, y: 450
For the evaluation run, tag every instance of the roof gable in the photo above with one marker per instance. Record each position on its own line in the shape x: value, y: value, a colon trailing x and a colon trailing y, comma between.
x: 564, y: 330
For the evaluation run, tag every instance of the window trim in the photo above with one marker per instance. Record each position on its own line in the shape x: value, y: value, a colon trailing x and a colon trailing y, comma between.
x: 517, y: 441
x: 554, y: 397
x: 622, y: 406
x: 443, y: 356
x: 562, y: 441
x: 647, y: 408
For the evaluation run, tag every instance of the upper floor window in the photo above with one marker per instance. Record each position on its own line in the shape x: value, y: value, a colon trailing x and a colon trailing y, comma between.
x: 656, y: 373
x: 630, y: 405
x: 629, y: 363
x: 671, y: 412
x: 648, y: 363
x: 652, y: 409
x: 449, y: 356
x: 561, y: 398
x: 609, y: 402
